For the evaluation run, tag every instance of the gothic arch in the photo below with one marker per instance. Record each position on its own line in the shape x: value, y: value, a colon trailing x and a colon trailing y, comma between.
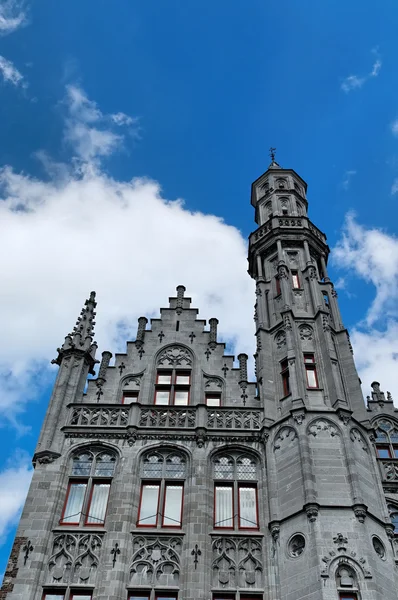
x: 92, y: 444
x: 323, y: 424
x: 234, y: 448
x: 359, y: 568
x: 130, y: 381
x: 175, y: 355
x: 286, y: 432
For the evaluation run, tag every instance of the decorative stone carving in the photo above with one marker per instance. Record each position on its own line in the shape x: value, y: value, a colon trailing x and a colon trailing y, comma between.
x: 237, y: 563
x: 341, y: 541
x: 242, y: 358
x: 99, y: 417
x: 180, y: 298
x: 75, y: 558
x: 213, y: 333
x: 287, y: 324
x: 306, y: 333
x: 299, y: 299
x: 155, y: 561
x: 298, y: 416
x: 312, y: 273
x: 169, y: 418
x: 344, y: 416
x: 175, y: 356
x: 321, y: 425
x: 379, y: 547
x: 390, y: 471
x: 233, y: 419
x: 285, y: 436
x: 213, y: 381
x: 283, y: 272
x: 280, y: 340
x: 45, y: 457
x: 312, y: 510
x: 142, y: 321
x: 132, y: 380
x: 296, y: 545
x: 357, y: 437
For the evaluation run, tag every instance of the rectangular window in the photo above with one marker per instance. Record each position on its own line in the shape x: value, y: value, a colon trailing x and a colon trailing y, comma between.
x: 162, y: 397
x: 384, y: 451
x: 74, y: 503
x: 172, y: 510
x: 129, y: 397
x: 80, y: 596
x: 181, y: 397
x: 278, y: 285
x: 98, y: 504
x: 56, y: 595
x: 345, y: 596
x: 138, y: 596
x: 149, y: 505
x: 164, y: 378
x: 182, y: 378
x: 172, y: 387
x: 223, y: 507
x: 310, y: 371
x: 166, y: 597
x: 285, y: 377
x: 248, y: 518
x: 295, y: 280
x: 213, y: 399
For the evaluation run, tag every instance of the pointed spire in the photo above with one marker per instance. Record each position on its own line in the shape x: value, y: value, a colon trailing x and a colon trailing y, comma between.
x: 81, y: 339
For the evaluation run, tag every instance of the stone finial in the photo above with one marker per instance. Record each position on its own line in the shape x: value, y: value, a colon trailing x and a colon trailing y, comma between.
x: 213, y: 332
x: 180, y: 297
x: 377, y: 394
x: 142, y: 321
x: 106, y: 357
x: 242, y: 358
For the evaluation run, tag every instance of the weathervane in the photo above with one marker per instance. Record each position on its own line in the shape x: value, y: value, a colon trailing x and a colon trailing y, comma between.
x: 272, y: 153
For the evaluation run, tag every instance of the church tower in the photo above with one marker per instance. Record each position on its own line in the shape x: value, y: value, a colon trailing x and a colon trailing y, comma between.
x: 170, y: 476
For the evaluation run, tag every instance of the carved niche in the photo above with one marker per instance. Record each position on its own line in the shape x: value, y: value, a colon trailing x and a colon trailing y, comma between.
x: 237, y: 563
x: 280, y: 340
x: 306, y: 333
x: 173, y: 356
x: 285, y: 436
x: 156, y: 561
x: 74, y: 558
x: 322, y: 426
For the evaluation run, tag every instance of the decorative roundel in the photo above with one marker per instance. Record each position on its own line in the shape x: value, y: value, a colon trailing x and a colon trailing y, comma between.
x: 379, y: 547
x: 296, y: 545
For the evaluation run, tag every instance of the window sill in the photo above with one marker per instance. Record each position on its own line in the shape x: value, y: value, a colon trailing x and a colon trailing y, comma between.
x: 248, y: 532
x: 79, y: 528
x: 158, y: 530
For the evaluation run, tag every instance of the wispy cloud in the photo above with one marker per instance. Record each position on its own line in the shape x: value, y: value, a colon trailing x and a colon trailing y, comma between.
x: 10, y: 73
x: 348, y: 175
x: 12, y: 16
x: 14, y: 484
x: 355, y: 82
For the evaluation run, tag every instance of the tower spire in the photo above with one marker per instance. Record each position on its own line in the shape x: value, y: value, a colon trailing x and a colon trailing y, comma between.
x: 273, y: 164
x: 81, y: 339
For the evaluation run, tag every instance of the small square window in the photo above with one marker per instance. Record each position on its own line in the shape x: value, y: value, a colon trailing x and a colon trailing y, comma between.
x: 309, y: 358
x: 182, y: 378
x: 54, y: 595
x: 181, y: 397
x: 81, y: 595
x: 129, y: 397
x: 213, y: 399
x: 162, y: 397
x: 164, y: 378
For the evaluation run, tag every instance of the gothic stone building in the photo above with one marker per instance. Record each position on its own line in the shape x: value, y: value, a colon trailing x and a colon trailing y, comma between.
x: 171, y: 476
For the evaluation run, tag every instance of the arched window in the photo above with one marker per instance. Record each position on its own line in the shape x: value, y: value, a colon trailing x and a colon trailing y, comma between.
x: 386, y: 439
x: 347, y: 584
x: 235, y: 485
x: 88, y: 489
x: 162, y: 486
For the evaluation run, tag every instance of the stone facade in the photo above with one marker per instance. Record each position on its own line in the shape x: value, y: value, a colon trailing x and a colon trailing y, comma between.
x: 285, y: 488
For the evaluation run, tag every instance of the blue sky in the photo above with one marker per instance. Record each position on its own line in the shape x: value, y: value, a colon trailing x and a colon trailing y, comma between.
x: 130, y: 134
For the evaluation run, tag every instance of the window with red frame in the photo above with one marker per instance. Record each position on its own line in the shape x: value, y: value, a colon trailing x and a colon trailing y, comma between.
x: 130, y: 397
x: 162, y: 489
x: 87, y: 495
x: 295, y: 280
x: 165, y: 596
x: 285, y: 375
x: 80, y: 595
x: 235, y: 492
x: 172, y: 387
x: 213, y: 399
x: 310, y: 371
x: 345, y: 596
x: 139, y: 596
x: 54, y: 595
x: 383, y: 452
x: 277, y: 285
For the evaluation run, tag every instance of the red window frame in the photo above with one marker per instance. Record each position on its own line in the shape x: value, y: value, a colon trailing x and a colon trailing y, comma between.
x: 70, y: 483
x: 383, y: 447
x: 151, y: 525
x: 347, y: 596
x: 295, y: 280
x: 164, y: 595
x: 130, y: 395
x: 213, y: 396
x: 94, y: 483
x: 138, y: 594
x: 278, y: 285
x: 224, y: 596
x: 285, y: 374
x: 225, y: 484
x: 56, y: 592
x: 75, y: 593
x: 166, y: 485
x: 173, y: 386
x: 310, y: 365
x: 254, y: 487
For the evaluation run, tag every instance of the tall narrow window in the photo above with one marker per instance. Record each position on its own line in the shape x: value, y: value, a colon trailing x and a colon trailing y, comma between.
x: 386, y: 440
x: 325, y: 299
x: 235, y: 492
x: 173, y: 387
x: 285, y: 375
x: 277, y: 285
x: 310, y: 371
x: 295, y: 280
x: 162, y: 490
x: 88, y: 489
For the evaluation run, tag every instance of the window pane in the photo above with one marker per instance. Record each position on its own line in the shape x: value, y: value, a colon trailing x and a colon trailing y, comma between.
x: 383, y: 452
x: 74, y: 503
x: 247, y: 507
x: 141, y: 597
x: 213, y: 400
x: 182, y: 379
x: 164, y: 378
x: 98, y: 504
x: 105, y: 465
x: 82, y: 465
x: 162, y: 396
x: 223, y: 507
x: 394, y: 519
x: 172, y: 506
x: 130, y: 398
x: 395, y: 451
x: 295, y: 280
x: 181, y: 397
x: 81, y: 596
x: 51, y: 596
x: 309, y: 358
x: 175, y: 467
x: 223, y: 468
x: 394, y: 435
x: 246, y: 468
x: 153, y: 466
x: 311, y: 378
x: 149, y: 505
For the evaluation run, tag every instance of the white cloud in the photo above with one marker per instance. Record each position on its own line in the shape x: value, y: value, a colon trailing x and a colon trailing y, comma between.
x: 127, y: 241
x: 372, y: 255
x: 9, y: 72
x: 12, y: 15
x: 354, y: 82
x: 348, y: 175
x: 121, y: 118
x: 394, y: 187
x: 14, y: 485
